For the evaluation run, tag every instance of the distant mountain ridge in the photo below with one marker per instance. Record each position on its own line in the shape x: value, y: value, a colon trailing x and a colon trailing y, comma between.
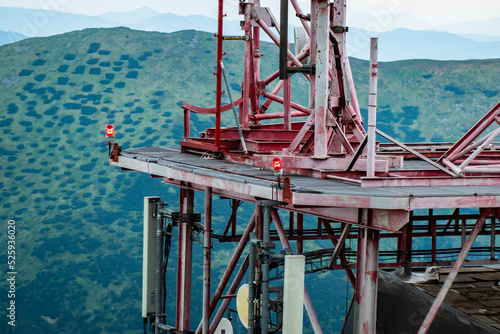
x: 426, y: 44
x: 485, y: 27
x: 137, y: 15
x: 7, y: 37
x: 395, y: 44
x: 43, y: 23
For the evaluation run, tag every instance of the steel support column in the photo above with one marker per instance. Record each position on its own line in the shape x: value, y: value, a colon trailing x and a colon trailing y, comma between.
x: 372, y: 107
x: 247, y: 66
x: 453, y: 273
x: 300, y: 227
x: 322, y: 52
x: 207, y: 243
x: 218, y: 95
x: 287, y: 118
x: 365, y: 312
x: 256, y: 71
x: 184, y: 263
x: 492, y: 238
x: 251, y: 284
x: 266, y: 254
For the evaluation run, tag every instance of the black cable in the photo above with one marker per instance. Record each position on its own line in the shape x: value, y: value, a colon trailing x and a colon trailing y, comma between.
x: 257, y: 314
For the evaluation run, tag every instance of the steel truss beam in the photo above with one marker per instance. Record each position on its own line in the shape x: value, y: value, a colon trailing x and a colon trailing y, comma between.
x: 367, y: 254
x: 437, y: 224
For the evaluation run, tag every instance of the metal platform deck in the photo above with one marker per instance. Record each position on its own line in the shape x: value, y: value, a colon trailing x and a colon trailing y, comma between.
x: 170, y: 163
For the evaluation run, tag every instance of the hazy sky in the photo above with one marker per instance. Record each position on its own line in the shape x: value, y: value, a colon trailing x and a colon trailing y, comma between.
x: 433, y: 11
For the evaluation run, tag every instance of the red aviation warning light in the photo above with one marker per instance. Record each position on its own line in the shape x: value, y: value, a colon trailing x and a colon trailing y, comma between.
x: 276, y: 164
x: 110, y: 131
x: 278, y: 171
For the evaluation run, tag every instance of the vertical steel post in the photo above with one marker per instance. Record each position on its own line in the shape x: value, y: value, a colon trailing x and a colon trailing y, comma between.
x: 337, y: 90
x: 259, y: 234
x: 287, y: 117
x: 266, y: 255
x: 492, y: 238
x: 453, y: 273
x: 371, y: 282
x: 184, y: 263
x: 256, y: 70
x: 265, y: 268
x: 464, y: 231
x: 218, y: 95
x: 300, y: 227
x: 159, y: 269
x: 360, y: 278
x: 247, y: 64
x: 283, y: 40
x: 187, y: 123
x: 207, y: 243
x: 372, y: 107
x: 251, y: 285
x: 255, y: 75
x: 407, y: 244
x: 312, y: 52
x: 365, y: 312
x: 432, y: 226
x: 322, y: 52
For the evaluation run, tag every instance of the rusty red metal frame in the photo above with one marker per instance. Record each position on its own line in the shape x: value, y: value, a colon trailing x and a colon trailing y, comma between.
x: 334, y: 128
x: 326, y: 143
x: 438, y: 224
x: 381, y: 220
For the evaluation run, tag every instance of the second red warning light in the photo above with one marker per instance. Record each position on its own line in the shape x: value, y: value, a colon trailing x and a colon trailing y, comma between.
x: 278, y: 171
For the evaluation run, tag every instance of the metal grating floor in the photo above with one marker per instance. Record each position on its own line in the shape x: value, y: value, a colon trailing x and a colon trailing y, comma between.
x: 172, y: 157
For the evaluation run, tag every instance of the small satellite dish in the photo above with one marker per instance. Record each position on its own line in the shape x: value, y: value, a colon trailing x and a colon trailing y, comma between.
x: 224, y: 327
x: 242, y: 304
x: 300, y: 37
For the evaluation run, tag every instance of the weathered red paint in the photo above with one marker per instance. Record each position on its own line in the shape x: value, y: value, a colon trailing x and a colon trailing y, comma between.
x: 321, y: 147
x: 184, y: 263
x: 207, y: 259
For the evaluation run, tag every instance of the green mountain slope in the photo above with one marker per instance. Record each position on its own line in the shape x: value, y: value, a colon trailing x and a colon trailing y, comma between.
x: 426, y: 100
x: 79, y: 245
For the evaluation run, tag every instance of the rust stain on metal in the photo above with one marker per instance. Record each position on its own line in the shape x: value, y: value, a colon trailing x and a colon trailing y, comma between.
x: 287, y: 193
x: 116, y: 152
